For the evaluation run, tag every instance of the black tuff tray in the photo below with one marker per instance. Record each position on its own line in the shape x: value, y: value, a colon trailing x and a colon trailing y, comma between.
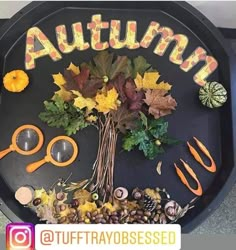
x: 216, y: 128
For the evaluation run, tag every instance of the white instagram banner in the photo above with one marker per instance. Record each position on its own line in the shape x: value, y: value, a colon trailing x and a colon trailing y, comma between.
x: 107, y: 237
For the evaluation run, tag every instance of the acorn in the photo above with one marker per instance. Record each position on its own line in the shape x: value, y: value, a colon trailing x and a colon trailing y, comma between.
x: 121, y: 193
x: 137, y: 194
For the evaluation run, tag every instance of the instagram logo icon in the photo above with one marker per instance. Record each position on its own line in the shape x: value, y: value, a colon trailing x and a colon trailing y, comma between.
x: 20, y: 236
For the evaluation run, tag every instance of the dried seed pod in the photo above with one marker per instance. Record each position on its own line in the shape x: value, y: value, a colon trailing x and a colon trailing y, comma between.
x: 62, y: 207
x: 162, y: 219
x: 158, y: 167
x: 57, y: 209
x: 133, y: 212
x: 147, y: 213
x: 172, y: 210
x: 94, y: 213
x: 121, y: 193
x: 62, y: 219
x: 55, y: 203
x: 156, y: 218
x: 73, y: 210
x: 139, y: 212
x: 88, y: 214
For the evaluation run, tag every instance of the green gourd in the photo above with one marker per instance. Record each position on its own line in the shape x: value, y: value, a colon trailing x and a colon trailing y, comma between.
x: 213, y: 95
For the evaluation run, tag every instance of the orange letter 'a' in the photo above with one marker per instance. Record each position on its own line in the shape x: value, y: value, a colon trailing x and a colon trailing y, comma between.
x: 34, y: 36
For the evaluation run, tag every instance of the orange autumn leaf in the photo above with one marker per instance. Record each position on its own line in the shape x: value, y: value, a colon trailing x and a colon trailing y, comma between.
x: 160, y: 104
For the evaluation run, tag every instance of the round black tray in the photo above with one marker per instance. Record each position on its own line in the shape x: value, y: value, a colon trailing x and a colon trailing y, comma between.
x: 215, y: 127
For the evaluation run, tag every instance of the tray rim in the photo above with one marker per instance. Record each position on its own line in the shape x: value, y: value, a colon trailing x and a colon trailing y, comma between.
x: 231, y: 179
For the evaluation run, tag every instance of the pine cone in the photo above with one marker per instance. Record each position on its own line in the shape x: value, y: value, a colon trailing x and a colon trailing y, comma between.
x: 148, y: 203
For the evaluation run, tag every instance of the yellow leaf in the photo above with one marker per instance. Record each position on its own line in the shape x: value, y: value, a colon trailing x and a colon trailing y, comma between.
x: 81, y: 102
x: 164, y: 85
x: 51, y: 197
x: 64, y: 94
x: 82, y: 196
x: 87, y: 207
x: 59, y: 79
x: 107, y: 101
x: 138, y: 81
x: 109, y: 206
x: 91, y: 118
x: 74, y: 68
x: 65, y: 212
x: 149, y: 81
x: 42, y: 194
x: 131, y: 205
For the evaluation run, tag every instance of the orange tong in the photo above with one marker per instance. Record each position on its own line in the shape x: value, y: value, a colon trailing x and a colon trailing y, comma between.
x: 212, y: 167
x: 197, y: 191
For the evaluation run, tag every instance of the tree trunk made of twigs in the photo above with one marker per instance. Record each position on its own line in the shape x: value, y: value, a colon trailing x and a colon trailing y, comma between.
x: 103, y: 168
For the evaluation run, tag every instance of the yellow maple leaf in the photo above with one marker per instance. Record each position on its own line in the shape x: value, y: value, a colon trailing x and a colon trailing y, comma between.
x: 87, y: 207
x: 107, y: 101
x: 82, y: 195
x: 91, y: 118
x: 109, y: 206
x: 164, y: 85
x: 42, y: 194
x: 81, y: 102
x: 149, y: 81
x: 64, y: 94
x: 59, y: 79
x: 73, y: 68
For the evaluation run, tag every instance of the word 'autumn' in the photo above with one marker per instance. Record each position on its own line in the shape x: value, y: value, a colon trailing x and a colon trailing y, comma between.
x: 130, y: 41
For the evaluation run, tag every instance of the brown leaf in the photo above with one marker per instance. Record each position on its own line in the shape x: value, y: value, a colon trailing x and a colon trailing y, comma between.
x: 119, y: 84
x: 160, y: 104
x: 135, y: 98
x: 82, y: 77
x: 91, y: 87
x: 70, y: 81
x: 81, y: 82
x: 124, y: 118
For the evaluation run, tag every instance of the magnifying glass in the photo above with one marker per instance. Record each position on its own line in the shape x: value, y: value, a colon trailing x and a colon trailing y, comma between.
x: 61, y: 152
x: 26, y: 140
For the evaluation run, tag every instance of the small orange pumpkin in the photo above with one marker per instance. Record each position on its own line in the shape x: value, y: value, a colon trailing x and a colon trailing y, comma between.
x: 16, y: 81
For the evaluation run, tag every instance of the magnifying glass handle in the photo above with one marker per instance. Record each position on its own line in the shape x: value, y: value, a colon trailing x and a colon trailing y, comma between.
x: 35, y: 165
x: 5, y: 152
